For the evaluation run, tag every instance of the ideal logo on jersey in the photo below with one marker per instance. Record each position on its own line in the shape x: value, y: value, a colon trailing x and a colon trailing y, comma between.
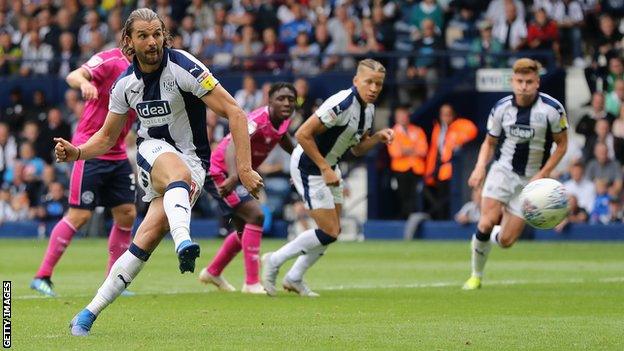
x: 156, y: 108
x: 524, y: 133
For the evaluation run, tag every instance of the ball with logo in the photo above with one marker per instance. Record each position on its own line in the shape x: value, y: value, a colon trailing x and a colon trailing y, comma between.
x: 544, y: 203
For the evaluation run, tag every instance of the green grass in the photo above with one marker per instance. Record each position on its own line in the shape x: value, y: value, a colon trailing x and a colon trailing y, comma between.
x: 374, y: 295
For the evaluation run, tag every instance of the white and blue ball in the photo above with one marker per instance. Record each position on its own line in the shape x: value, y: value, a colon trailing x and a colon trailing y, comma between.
x: 544, y: 203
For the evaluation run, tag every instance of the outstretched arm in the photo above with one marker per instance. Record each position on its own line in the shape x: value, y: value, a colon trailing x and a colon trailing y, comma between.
x: 99, y: 143
x: 80, y: 78
x: 223, y: 104
x: 368, y: 142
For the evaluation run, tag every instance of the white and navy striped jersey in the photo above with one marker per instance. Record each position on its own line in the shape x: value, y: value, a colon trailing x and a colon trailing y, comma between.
x: 525, y: 134
x: 347, y: 117
x: 168, y: 102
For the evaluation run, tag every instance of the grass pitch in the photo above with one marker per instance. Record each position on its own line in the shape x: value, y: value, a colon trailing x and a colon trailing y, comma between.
x: 374, y: 295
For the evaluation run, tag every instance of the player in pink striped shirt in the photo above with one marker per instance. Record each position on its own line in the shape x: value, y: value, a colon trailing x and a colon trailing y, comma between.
x: 105, y: 181
x: 268, y: 126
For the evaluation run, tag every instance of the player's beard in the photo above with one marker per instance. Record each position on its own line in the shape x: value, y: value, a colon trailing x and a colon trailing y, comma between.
x: 150, y: 58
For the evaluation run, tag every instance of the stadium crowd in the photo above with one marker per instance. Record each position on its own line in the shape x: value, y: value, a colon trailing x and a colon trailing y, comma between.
x: 308, y: 37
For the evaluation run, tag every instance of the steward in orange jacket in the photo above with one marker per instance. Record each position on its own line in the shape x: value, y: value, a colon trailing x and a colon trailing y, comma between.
x: 407, y: 154
x: 449, y: 134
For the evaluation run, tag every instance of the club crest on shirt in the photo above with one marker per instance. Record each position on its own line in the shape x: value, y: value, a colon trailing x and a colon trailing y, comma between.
x: 169, y: 85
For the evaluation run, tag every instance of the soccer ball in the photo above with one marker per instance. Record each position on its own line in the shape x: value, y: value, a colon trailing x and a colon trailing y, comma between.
x: 544, y: 203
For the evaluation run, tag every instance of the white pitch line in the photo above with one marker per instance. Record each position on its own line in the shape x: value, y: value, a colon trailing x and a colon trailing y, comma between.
x: 371, y: 286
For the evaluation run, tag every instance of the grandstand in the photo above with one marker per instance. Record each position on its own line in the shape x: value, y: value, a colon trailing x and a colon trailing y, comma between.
x: 435, y: 51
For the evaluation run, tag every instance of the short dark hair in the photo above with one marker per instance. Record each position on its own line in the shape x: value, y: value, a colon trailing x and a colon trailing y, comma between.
x: 275, y: 87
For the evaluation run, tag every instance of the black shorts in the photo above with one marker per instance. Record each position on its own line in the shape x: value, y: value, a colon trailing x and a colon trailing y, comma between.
x: 98, y: 182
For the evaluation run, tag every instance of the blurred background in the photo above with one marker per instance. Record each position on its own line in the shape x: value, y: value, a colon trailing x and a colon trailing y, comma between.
x: 447, y: 65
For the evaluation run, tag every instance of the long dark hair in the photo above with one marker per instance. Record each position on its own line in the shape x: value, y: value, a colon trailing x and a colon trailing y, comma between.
x: 143, y: 14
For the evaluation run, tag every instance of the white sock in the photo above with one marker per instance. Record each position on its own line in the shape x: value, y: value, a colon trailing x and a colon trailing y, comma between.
x: 495, y: 234
x: 302, y: 244
x: 123, y: 271
x: 480, y: 250
x: 303, y: 263
x: 178, y: 210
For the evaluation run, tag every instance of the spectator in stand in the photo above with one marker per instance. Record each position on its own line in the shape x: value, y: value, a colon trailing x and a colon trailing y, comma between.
x: 615, y: 73
x: 28, y: 169
x: 576, y: 213
x: 8, y: 149
x: 20, y: 207
x: 587, y: 123
x: 289, y: 31
x: 204, y: 14
x: 369, y: 37
x: 5, y: 26
x: 38, y: 110
x: 602, y: 167
x: 512, y: 32
x: 602, y: 134
x: 191, y: 37
x: 67, y: 57
x: 486, y: 47
x: 54, y: 203
x: 246, y: 48
x: 96, y: 45
x: 384, y: 28
x: 49, y: 32
x: 6, y: 210
x: 115, y: 26
x: 218, y: 53
x: 407, y: 153
x: 426, y: 65
x: 249, y: 97
x: 337, y: 27
x: 606, y: 46
x: 543, y: 34
x: 304, y: 55
x: 221, y: 18
x: 569, y: 17
x: 600, y: 213
x: 449, y: 134
x: 31, y: 133
x: 471, y: 211
x: 304, y: 105
x: 615, y: 98
x: 428, y: 9
x: 66, y: 21
x: 14, y: 114
x: 272, y: 51
x: 20, y: 36
x: 617, y: 129
x: 321, y: 37
x: 463, y: 28
x: 10, y: 54
x: 92, y: 24
x: 616, y: 214
x: 580, y: 187
x: 496, y: 10
x: 36, y: 55
x: 55, y: 127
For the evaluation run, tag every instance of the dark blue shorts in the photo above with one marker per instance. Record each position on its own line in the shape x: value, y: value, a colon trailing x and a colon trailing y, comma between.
x: 227, y: 204
x: 97, y: 182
